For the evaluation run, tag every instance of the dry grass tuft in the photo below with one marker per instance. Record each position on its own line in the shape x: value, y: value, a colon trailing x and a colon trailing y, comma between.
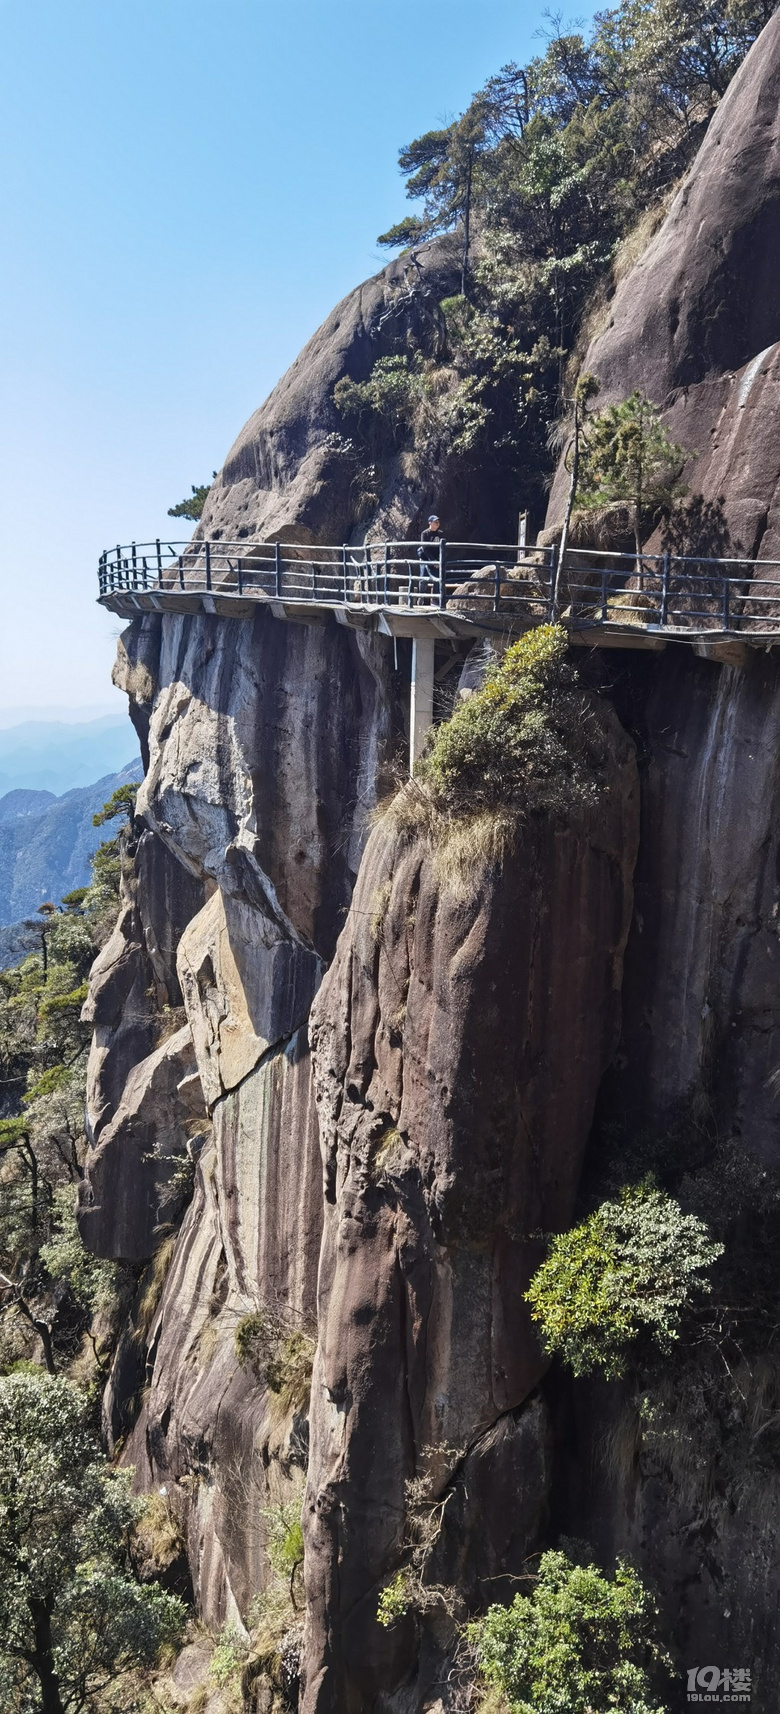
x: 151, y: 1287
x: 156, y: 1541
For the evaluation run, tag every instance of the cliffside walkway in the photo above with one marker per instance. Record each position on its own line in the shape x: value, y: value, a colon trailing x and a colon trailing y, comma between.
x: 720, y: 607
x: 458, y: 591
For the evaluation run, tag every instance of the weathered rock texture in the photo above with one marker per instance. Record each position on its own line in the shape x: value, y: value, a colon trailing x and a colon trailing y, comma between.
x: 139, y: 1120
x: 696, y: 323
x: 458, y: 1048
x: 290, y: 475
x: 258, y: 786
x: 701, y: 997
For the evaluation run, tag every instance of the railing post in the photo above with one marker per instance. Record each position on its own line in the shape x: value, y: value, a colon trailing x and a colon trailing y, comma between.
x: 119, y: 565
x: 442, y: 575
x: 725, y: 603
x: 241, y: 577
x: 665, y: 589
x: 385, y: 575
x: 181, y: 572
x: 135, y: 567
x: 159, y: 564
x: 344, y: 573
x: 553, y: 601
x: 497, y: 588
x: 208, y: 565
x: 604, y: 607
x: 278, y: 568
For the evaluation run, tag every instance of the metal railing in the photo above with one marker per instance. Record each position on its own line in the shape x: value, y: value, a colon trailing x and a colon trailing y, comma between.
x: 653, y: 591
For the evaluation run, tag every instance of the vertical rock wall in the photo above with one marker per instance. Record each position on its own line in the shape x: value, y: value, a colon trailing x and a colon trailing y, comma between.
x: 259, y: 782
x: 458, y: 1046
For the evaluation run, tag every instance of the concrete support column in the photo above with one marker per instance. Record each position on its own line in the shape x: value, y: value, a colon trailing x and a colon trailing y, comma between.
x: 421, y: 716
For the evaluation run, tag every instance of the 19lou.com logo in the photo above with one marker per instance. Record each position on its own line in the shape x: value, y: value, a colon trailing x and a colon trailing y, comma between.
x: 718, y: 1684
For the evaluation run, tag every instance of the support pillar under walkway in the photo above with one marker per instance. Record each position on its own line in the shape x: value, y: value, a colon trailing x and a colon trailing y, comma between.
x: 421, y: 711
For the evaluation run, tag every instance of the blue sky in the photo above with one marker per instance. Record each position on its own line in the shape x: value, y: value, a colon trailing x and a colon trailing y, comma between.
x: 187, y: 188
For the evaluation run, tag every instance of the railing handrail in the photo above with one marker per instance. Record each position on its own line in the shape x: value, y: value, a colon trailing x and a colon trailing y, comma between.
x: 598, y: 587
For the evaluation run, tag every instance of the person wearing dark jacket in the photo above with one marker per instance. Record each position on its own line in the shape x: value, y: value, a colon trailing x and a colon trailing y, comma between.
x: 433, y: 533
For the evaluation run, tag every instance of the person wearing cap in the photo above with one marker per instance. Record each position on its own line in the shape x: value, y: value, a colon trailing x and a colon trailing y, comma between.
x: 432, y: 533
x: 428, y: 552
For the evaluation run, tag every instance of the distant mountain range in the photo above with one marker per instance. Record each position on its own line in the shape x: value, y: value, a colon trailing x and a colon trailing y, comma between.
x: 56, y: 756
x: 45, y: 846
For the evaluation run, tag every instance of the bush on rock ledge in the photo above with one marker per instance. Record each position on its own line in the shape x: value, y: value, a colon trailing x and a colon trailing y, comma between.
x: 533, y: 739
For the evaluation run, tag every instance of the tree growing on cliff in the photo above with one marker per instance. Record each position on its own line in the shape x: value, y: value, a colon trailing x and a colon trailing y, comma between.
x: 630, y: 1270
x: 193, y: 506
x: 627, y: 458
x: 579, y: 1642
x: 72, y: 1619
x: 121, y: 802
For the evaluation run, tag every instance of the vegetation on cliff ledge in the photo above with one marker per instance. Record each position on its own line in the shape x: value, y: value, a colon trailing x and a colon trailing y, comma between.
x: 629, y: 1270
x: 579, y: 1643
x: 531, y: 741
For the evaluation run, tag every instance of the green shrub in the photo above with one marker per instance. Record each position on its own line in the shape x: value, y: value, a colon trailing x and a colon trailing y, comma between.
x: 581, y: 1643
x: 395, y: 1600
x: 254, y: 1340
x: 630, y: 1269
x: 528, y: 739
x: 230, y: 1652
x: 385, y: 404
x: 95, y: 1284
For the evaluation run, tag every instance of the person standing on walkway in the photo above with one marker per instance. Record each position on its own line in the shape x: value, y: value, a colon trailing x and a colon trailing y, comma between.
x: 428, y: 553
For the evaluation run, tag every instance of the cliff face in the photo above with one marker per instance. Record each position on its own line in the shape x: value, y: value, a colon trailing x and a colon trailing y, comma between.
x: 380, y: 1088
x: 258, y: 784
x: 695, y: 325
x: 458, y: 1046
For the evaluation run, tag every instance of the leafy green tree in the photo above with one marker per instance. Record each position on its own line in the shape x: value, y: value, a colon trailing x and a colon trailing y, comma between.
x: 579, y: 1643
x: 72, y: 1619
x: 192, y: 507
x: 628, y: 458
x: 631, y: 1269
x: 48, y: 1284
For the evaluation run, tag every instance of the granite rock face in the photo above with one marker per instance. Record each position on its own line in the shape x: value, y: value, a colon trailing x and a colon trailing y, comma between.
x: 209, y: 1430
x: 701, y: 1001
x: 259, y: 781
x: 387, y: 1187
x: 133, y: 986
x: 289, y: 476
x: 132, y: 1195
x: 458, y: 1048
x: 695, y: 325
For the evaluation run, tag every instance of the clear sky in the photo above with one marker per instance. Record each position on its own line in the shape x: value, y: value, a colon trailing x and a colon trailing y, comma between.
x: 187, y: 188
